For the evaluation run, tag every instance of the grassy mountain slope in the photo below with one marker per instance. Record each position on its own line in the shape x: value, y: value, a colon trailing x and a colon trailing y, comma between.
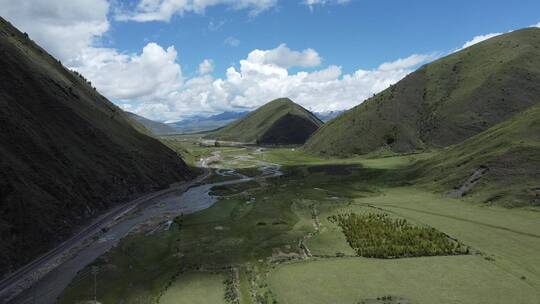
x: 155, y: 127
x: 280, y: 121
x: 500, y: 165
x: 66, y: 152
x: 444, y: 102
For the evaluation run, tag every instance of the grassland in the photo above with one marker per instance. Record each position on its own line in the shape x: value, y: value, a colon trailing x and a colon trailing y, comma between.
x: 195, y: 288
x: 274, y: 238
x: 504, y: 269
x: 457, y: 279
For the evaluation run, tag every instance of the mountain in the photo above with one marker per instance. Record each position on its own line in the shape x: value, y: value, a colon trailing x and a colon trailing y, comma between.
x: 328, y: 115
x: 155, y: 127
x: 444, y: 102
x: 203, y: 123
x: 200, y: 123
x: 66, y: 152
x: 499, y: 165
x: 280, y: 121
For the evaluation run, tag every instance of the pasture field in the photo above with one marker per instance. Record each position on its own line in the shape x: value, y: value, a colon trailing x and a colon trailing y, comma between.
x: 270, y: 240
x: 452, y: 279
x: 195, y: 288
x: 504, y: 266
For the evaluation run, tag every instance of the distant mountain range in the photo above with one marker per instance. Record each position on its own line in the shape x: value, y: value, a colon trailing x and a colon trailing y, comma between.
x: 155, y: 127
x: 200, y: 123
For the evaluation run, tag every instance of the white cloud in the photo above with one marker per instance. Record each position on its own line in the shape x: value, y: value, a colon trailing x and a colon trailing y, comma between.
x: 536, y: 25
x: 69, y: 30
x: 231, y: 41
x: 313, y: 3
x: 478, y: 39
x: 284, y: 57
x: 151, y: 83
x: 62, y: 27
x: 207, y: 66
x: 164, y: 10
x: 257, y: 81
x: 151, y: 75
x: 406, y: 63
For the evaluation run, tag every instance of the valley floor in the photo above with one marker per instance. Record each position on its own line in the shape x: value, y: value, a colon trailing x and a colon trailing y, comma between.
x: 268, y: 239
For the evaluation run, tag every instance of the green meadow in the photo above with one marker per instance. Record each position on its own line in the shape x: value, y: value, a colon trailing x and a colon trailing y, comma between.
x: 273, y: 240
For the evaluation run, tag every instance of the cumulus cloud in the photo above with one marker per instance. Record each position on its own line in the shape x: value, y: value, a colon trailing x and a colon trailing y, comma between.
x: 284, y: 57
x: 164, y: 10
x: 207, y: 66
x: 257, y: 81
x: 151, y: 83
x: 153, y: 74
x: 536, y: 25
x: 62, y: 27
x: 70, y: 30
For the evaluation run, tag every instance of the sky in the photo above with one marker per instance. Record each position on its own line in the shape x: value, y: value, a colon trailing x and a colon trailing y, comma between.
x: 170, y: 59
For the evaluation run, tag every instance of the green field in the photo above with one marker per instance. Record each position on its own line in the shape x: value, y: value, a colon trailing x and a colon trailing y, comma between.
x: 277, y: 235
x: 456, y: 279
x: 505, y: 269
x: 196, y: 288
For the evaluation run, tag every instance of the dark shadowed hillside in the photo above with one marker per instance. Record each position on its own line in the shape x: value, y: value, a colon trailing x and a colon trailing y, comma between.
x: 500, y: 165
x: 442, y: 103
x: 66, y: 152
x: 279, y: 122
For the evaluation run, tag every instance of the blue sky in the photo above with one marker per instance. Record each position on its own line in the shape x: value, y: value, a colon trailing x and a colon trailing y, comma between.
x: 146, y: 55
x: 358, y: 34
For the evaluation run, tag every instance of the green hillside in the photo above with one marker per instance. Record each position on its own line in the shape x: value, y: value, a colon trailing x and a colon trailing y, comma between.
x: 499, y: 165
x: 66, y: 152
x: 280, y: 121
x: 444, y: 102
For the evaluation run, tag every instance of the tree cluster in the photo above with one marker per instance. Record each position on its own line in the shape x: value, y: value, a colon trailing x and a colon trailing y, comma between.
x: 377, y: 235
